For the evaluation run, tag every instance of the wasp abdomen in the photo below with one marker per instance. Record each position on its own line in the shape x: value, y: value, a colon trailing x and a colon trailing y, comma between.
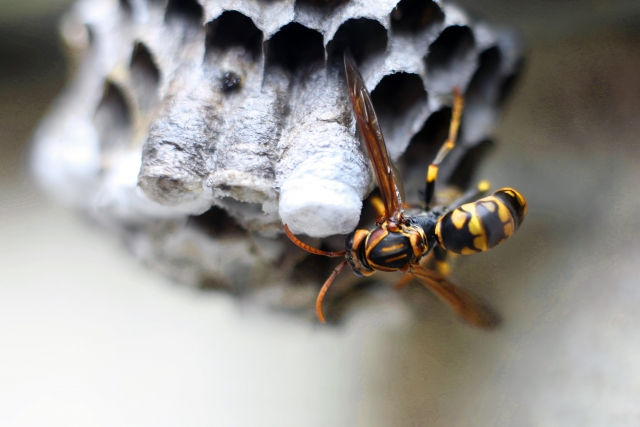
x: 481, y: 225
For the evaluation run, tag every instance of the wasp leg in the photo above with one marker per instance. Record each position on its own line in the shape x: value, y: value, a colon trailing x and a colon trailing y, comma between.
x: 463, y: 302
x: 378, y: 205
x: 325, y: 288
x: 403, y: 282
x: 440, y: 262
x: 432, y: 173
x: 429, y: 261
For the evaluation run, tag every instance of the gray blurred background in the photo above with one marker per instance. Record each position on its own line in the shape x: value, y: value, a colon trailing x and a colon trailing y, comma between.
x: 89, y: 337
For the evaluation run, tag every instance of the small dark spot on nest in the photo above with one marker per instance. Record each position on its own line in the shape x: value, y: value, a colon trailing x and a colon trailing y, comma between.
x: 231, y: 81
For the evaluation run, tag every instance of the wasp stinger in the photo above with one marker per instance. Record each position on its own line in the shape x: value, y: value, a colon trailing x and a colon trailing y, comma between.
x: 399, y: 242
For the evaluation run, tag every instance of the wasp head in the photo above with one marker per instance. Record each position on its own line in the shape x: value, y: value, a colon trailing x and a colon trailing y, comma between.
x: 355, y: 248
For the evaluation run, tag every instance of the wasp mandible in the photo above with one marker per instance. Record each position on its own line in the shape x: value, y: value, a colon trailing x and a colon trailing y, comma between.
x: 399, y: 242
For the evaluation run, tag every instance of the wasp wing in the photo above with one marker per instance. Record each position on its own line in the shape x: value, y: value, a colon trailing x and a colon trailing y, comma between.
x: 397, y: 180
x: 370, y: 129
x: 464, y: 303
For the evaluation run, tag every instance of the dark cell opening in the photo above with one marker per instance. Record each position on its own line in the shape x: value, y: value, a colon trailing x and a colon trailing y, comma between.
x: 421, y: 152
x: 312, y: 269
x: 364, y: 37
x: 233, y: 29
x: 398, y: 100
x: 217, y: 222
x: 469, y: 164
x: 320, y: 6
x: 295, y: 46
x: 186, y: 10
x: 211, y: 283
x: 415, y: 15
x: 454, y: 44
x: 91, y: 34
x: 424, y: 145
x: 397, y: 93
x: 125, y: 6
x: 113, y: 118
x: 230, y: 82
x: 484, y: 81
x: 144, y: 75
x: 243, y: 208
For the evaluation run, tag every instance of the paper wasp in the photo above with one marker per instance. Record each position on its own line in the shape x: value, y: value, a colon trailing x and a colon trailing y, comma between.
x: 399, y: 242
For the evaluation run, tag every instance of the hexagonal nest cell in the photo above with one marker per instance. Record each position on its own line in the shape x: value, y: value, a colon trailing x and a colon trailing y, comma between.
x: 194, y: 128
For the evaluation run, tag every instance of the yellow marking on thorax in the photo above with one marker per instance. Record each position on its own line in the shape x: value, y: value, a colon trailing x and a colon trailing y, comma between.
x: 418, y: 243
x: 396, y: 258
x: 369, y: 245
x: 393, y: 248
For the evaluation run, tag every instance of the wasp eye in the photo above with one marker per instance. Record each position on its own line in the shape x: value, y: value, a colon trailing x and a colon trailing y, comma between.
x: 348, y: 243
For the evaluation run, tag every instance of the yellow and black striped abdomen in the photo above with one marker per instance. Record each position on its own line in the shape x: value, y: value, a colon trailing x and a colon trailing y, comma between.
x: 479, y: 226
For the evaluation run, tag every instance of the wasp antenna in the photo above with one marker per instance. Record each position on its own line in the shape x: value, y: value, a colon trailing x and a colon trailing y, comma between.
x: 325, y: 288
x: 308, y: 248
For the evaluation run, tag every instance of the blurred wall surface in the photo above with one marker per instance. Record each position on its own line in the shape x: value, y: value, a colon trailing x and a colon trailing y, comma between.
x: 89, y: 337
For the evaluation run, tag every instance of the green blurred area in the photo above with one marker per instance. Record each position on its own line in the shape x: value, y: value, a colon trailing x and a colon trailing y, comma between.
x: 31, y: 12
x: 32, y: 72
x: 542, y: 21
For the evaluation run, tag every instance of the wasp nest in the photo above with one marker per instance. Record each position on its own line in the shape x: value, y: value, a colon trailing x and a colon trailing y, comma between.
x: 197, y: 128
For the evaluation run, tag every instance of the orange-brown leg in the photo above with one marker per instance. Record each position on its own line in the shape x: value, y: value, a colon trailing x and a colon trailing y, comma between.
x: 403, y: 282
x: 407, y: 278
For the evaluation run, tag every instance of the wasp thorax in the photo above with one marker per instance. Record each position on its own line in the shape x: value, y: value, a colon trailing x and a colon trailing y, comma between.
x: 479, y: 226
x: 383, y: 249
